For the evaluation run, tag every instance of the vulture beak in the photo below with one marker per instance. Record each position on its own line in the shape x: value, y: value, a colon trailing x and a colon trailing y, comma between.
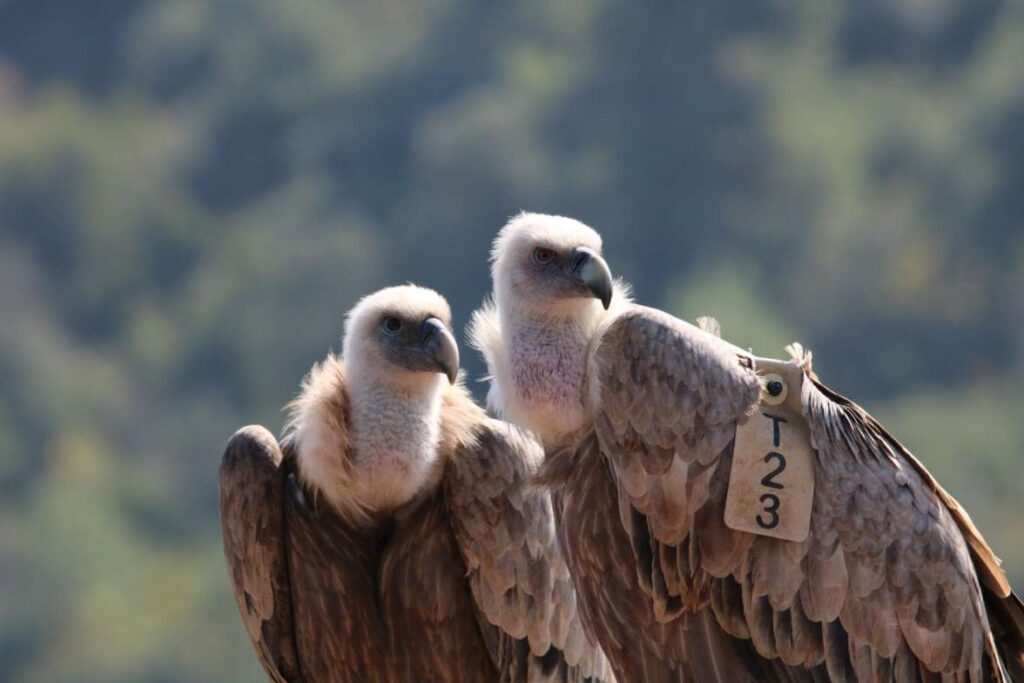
x: 439, y: 345
x: 589, y: 268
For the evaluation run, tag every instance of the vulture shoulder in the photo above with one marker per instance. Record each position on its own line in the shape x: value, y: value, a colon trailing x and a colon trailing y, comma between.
x: 505, y: 532
x: 893, y: 581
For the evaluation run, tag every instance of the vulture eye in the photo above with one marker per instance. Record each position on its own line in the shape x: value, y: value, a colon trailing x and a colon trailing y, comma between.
x: 775, y: 390
x: 543, y: 256
x: 391, y: 325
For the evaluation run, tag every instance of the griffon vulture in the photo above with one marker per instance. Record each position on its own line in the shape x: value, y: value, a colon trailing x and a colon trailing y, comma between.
x: 877, y: 573
x: 393, y: 537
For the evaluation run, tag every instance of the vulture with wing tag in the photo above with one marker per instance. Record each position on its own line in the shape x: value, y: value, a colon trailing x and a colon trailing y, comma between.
x: 858, y: 566
x: 393, y: 537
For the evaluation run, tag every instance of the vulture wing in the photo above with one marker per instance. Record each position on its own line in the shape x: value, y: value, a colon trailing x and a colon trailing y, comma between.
x: 893, y: 582
x: 505, y: 532
x: 253, y: 528
x: 302, y: 577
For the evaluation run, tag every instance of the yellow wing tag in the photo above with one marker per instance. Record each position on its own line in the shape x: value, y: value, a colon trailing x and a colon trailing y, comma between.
x: 771, y: 486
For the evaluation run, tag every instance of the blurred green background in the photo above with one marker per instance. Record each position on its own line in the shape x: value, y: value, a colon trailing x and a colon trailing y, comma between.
x: 192, y: 192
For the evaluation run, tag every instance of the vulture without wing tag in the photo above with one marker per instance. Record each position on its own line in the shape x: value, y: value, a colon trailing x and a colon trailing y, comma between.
x: 771, y: 484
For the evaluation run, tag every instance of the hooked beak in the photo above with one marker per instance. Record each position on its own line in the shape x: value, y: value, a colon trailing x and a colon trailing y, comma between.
x: 439, y: 346
x: 589, y: 268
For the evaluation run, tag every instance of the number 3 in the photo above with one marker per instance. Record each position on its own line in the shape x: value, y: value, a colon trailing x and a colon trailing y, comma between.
x: 772, y: 509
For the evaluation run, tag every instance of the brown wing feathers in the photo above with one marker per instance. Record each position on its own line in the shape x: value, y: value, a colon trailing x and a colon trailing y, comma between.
x: 999, y: 617
x: 888, y: 580
x: 252, y: 524
x: 432, y: 629
x: 506, y: 534
x: 874, y: 436
x: 332, y: 566
x: 299, y: 573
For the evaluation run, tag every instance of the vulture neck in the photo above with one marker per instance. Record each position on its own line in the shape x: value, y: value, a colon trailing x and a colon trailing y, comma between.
x: 547, y: 353
x: 394, y: 431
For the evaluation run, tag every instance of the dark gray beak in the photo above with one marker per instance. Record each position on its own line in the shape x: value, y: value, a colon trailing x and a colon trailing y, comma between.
x: 439, y: 345
x: 589, y: 268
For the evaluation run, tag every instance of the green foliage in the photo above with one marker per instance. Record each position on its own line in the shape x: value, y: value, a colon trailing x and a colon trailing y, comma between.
x: 192, y: 193
x: 730, y: 293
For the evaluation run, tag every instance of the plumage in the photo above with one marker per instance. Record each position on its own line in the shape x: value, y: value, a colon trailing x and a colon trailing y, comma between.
x: 464, y: 580
x: 298, y: 572
x: 893, y: 581
x: 889, y: 564
x: 252, y: 496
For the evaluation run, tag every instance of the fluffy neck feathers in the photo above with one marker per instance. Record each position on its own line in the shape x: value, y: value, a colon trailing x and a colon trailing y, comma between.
x: 547, y: 362
x: 368, y: 444
x: 539, y: 360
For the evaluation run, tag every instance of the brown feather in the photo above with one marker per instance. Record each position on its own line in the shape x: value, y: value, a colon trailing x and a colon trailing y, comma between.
x: 339, y: 630
x: 505, y: 533
x: 426, y: 604
x: 949, y: 557
x: 298, y: 572
x: 253, y: 529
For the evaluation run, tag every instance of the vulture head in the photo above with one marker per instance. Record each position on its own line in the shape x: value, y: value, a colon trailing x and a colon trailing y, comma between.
x: 366, y: 427
x: 403, y: 335
x: 550, y: 263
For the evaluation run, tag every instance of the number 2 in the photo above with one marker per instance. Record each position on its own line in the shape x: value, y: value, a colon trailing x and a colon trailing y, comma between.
x: 772, y: 509
x: 769, y: 479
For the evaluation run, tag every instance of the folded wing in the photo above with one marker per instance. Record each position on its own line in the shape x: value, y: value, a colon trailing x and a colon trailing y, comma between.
x: 519, y: 580
x: 252, y: 522
x: 885, y: 587
x: 301, y: 576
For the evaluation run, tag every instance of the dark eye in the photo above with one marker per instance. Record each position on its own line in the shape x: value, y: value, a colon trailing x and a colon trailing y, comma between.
x: 543, y: 256
x: 391, y: 325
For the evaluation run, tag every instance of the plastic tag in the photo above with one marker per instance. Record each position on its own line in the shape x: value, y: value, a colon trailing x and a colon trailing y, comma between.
x: 771, y: 486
